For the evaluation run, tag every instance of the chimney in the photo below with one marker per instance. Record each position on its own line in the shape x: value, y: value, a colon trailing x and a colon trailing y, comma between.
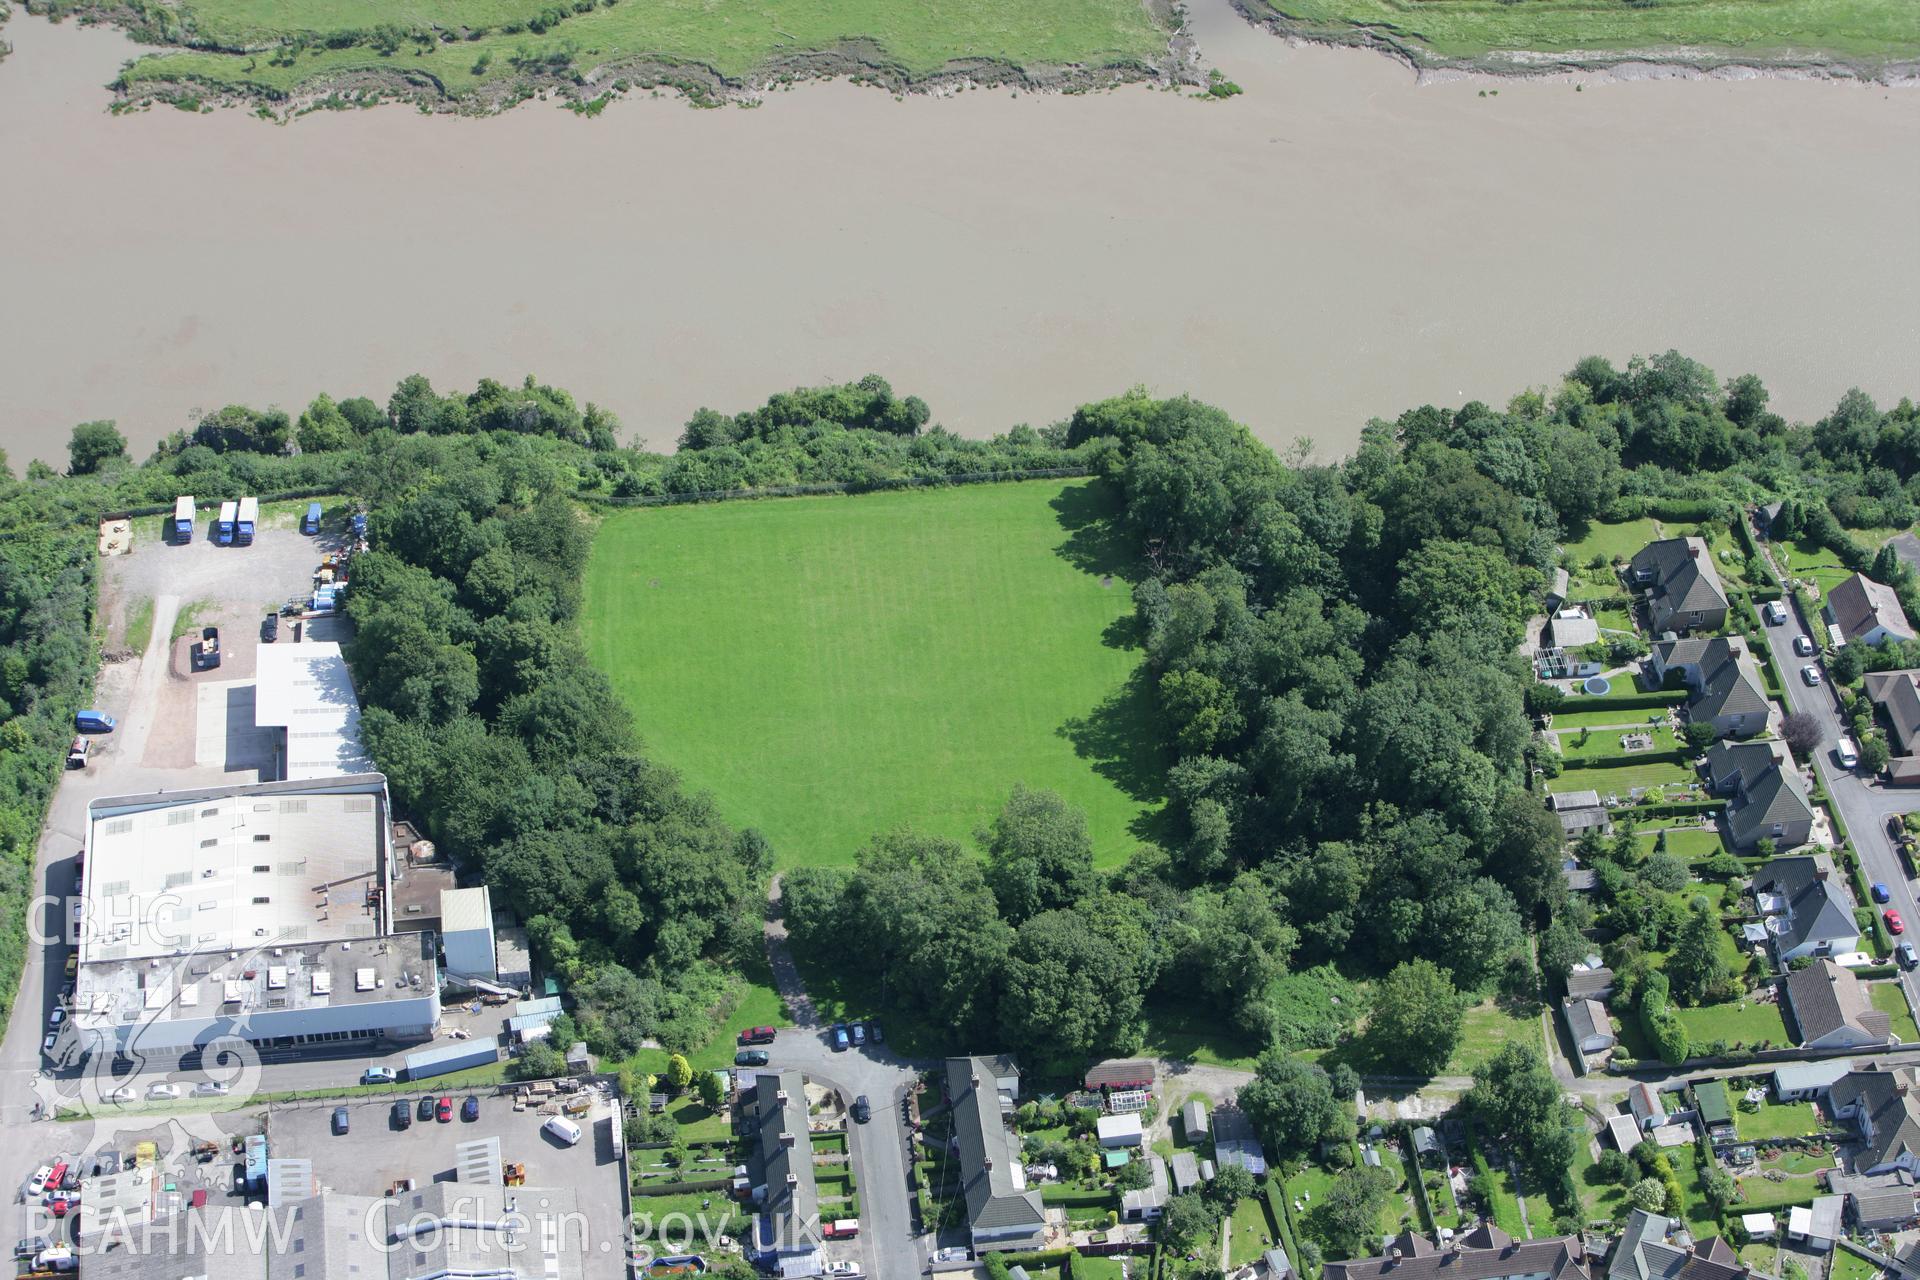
x: 1393, y: 1255
x: 974, y: 1079
x: 987, y: 1164
x: 780, y: 1096
x: 1820, y: 873
x: 1693, y: 549
x: 786, y: 1139
x: 793, y: 1179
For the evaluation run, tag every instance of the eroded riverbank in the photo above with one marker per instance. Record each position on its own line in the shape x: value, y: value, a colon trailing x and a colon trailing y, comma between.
x: 1341, y: 241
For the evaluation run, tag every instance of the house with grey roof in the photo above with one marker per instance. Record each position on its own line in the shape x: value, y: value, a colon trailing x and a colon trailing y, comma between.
x: 1589, y: 1024
x: 1833, y: 1010
x: 1884, y: 1107
x: 1484, y: 1253
x: 1764, y: 793
x: 1579, y: 812
x: 1726, y: 689
x: 1682, y: 587
x: 1002, y: 1211
x: 1590, y: 984
x: 1655, y: 1247
x: 1882, y: 1202
x: 1806, y: 912
x: 1896, y: 694
x: 1863, y: 611
x: 1649, y: 1110
x: 787, y: 1231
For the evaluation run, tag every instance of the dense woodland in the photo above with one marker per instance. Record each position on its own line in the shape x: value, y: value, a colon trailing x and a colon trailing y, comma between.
x: 1330, y: 647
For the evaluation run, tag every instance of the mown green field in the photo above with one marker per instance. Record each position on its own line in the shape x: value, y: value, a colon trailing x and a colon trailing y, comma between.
x: 731, y: 39
x: 1865, y: 31
x: 833, y: 667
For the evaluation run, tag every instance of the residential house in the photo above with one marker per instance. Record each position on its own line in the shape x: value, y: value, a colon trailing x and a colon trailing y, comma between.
x: 787, y: 1232
x: 1147, y: 1203
x: 1727, y: 691
x: 1807, y: 1081
x: 1589, y: 1024
x: 1765, y: 799
x: 1649, y: 1111
x: 1897, y: 695
x: 1877, y: 1203
x: 1884, y: 1107
x: 1683, y: 589
x: 1484, y: 1253
x: 1234, y: 1141
x: 1275, y: 1265
x: 1193, y: 1120
x: 1806, y: 913
x: 1817, y: 1225
x: 1590, y: 983
x: 1863, y: 611
x: 1580, y: 812
x: 1833, y: 1009
x: 1655, y: 1247
x: 1117, y: 1132
x: 1002, y: 1212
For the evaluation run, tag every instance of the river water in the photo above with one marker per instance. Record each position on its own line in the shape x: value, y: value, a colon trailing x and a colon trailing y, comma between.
x: 1339, y: 242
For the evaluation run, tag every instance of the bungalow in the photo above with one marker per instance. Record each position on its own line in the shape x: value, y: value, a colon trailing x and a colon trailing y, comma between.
x: 1878, y: 1203
x: 1580, y: 812
x: 1683, y: 589
x: 1833, y: 1010
x: 1589, y: 1024
x: 1885, y: 1107
x: 1806, y: 1081
x: 1002, y: 1212
x: 1655, y: 1247
x: 1863, y: 611
x: 1764, y: 796
x: 1805, y: 911
x: 1897, y: 695
x: 1648, y: 1110
x: 1484, y: 1253
x: 1727, y: 692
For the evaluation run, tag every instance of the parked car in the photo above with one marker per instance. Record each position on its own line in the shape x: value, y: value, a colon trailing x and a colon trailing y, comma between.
x: 55, y: 1018
x: 53, y: 1038
x: 750, y: 1058
x: 860, y: 1110
x: 77, y: 753
x: 63, y: 1204
x: 1803, y: 645
x: 859, y: 1033
x: 1896, y: 825
x: 401, y: 1115
x: 71, y: 1182
x: 270, y: 628
x: 425, y: 1110
x: 124, y: 1093
x: 340, y: 1121
x: 1880, y: 893
x: 873, y: 1033
x: 1846, y: 753
x: 1776, y: 613
x: 1894, y: 923
x: 162, y: 1092
x: 31, y: 1245
x: 1906, y: 955
x: 470, y: 1109
x: 379, y: 1075
x: 952, y: 1253
x: 210, y: 1089
x: 444, y: 1111
x: 562, y: 1129
x: 840, y: 1040
x: 1810, y: 673
x: 38, y: 1182
x: 758, y: 1035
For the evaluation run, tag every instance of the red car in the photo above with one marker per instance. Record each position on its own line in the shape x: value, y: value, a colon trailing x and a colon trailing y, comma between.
x: 444, y: 1112
x: 758, y: 1035
x: 1894, y: 923
x: 61, y: 1205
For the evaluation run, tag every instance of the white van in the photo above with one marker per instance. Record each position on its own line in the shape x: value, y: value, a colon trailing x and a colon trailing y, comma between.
x: 1776, y: 613
x: 1846, y: 753
x: 562, y: 1128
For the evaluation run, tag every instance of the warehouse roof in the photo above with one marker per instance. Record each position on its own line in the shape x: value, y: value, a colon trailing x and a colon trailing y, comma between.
x: 305, y: 690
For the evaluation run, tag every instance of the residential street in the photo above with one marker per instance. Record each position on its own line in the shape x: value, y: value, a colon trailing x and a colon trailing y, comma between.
x: 1864, y: 804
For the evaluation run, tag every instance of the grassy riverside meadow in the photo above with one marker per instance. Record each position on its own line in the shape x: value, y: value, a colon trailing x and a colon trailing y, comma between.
x: 833, y: 667
x: 252, y: 46
x: 1862, y: 33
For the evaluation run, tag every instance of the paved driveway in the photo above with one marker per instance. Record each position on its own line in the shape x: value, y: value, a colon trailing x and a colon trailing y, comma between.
x: 1864, y: 805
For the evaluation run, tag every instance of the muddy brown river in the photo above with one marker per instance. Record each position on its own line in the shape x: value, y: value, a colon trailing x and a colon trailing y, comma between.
x: 1339, y: 242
